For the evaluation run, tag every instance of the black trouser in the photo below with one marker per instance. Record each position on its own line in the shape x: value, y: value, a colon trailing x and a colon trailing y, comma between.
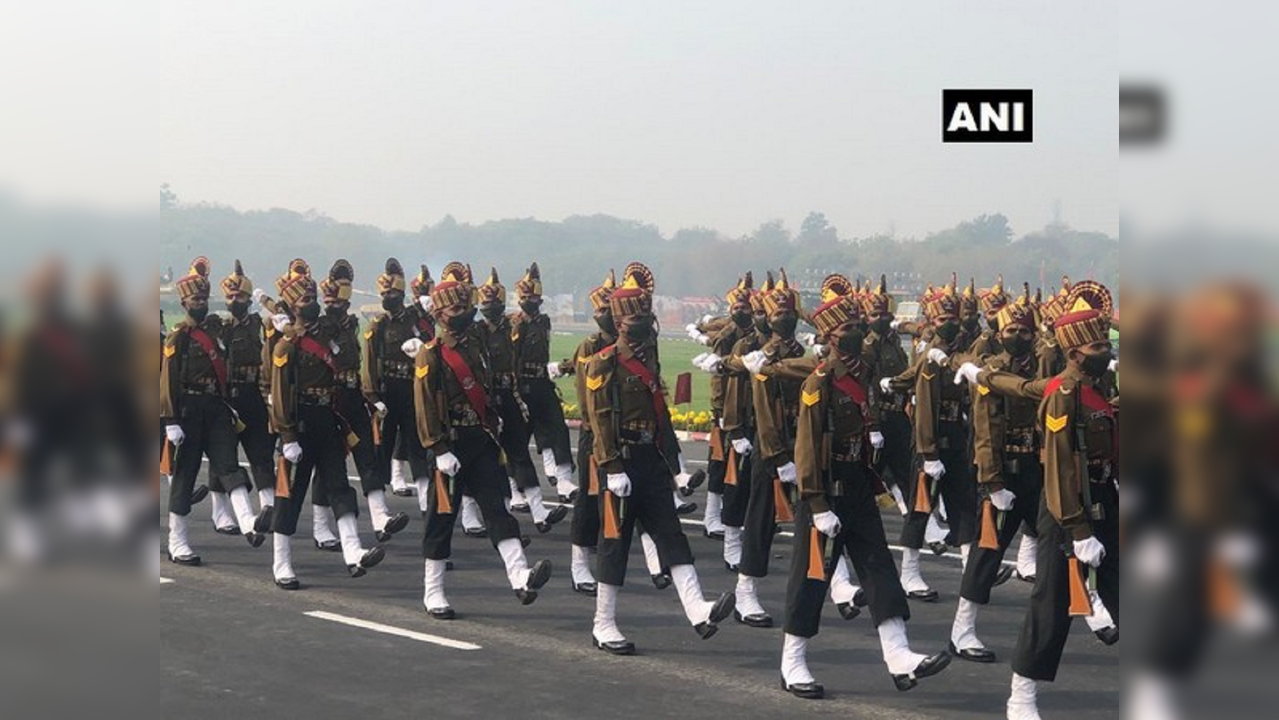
x: 256, y: 438
x: 400, y: 423
x: 737, y: 497
x: 546, y: 415
x: 1027, y: 483
x: 323, y: 441
x: 481, y: 477
x: 761, y: 519
x: 585, y: 530
x: 716, y: 469
x: 898, y: 455
x: 210, y: 431
x: 861, y: 537
x: 514, y: 439
x: 1047, y: 626
x: 354, y: 412
x: 649, y: 504
x: 958, y: 488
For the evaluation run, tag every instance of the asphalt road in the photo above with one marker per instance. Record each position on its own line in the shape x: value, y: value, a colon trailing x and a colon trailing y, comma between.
x: 232, y: 645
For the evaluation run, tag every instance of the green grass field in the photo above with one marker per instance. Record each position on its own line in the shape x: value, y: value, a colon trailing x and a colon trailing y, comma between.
x: 676, y: 355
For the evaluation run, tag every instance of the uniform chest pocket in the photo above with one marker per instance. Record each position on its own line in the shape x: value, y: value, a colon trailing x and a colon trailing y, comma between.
x: 1100, y: 434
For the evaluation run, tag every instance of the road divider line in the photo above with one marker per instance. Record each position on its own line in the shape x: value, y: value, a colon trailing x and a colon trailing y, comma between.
x: 165, y: 581
x: 392, y: 630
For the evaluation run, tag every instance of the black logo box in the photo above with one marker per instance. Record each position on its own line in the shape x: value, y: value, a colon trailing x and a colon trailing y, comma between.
x: 973, y: 99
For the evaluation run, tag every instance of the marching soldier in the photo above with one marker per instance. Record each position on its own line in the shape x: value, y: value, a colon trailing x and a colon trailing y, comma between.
x: 388, y: 372
x: 884, y: 355
x: 941, y: 442
x: 243, y: 337
x: 197, y: 419
x: 1079, y: 514
x: 838, y: 514
x: 531, y: 332
x: 457, y: 422
x: 351, y: 404
x: 636, y: 449
x: 991, y: 301
x: 1009, y: 475
x: 1052, y: 362
x: 304, y: 394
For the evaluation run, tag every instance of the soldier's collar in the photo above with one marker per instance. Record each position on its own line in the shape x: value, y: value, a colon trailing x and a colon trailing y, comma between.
x: 449, y: 339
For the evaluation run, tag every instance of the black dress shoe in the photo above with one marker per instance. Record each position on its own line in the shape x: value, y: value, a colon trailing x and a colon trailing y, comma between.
x: 848, y: 611
x: 228, y: 530
x: 977, y: 655
x: 686, y: 509
x: 808, y: 691
x: 1108, y: 635
x: 402, y: 492
x: 694, y: 482
x: 262, y: 523
x: 730, y: 567
x: 616, y: 647
x: 199, y: 494
x: 859, y: 598
x: 396, y: 523
x: 552, y: 519
x: 713, y: 534
x: 569, y: 498
x: 661, y: 581
x: 444, y: 613
x: 720, y: 611
x: 328, y: 546
x: 371, y: 558
x: 525, y: 541
x: 255, y: 538
x: 448, y: 565
x: 288, y: 584
x: 519, y: 507
x: 589, y: 589
x: 930, y: 666
x: 759, y: 620
x: 190, y: 559
x: 938, y: 548
x: 475, y: 532
x: 1024, y: 578
x: 1004, y: 575
x: 538, y: 576
x: 928, y: 595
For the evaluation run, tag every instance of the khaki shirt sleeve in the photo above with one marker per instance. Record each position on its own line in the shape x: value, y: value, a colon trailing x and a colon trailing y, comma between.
x: 600, y: 381
x: 791, y: 369
x: 283, y: 396
x: 1012, y: 385
x: 986, y: 427
x: 809, y: 440
x: 908, y: 378
x: 172, y: 353
x: 927, y: 407
x: 429, y: 401
x: 369, y: 376
x: 1063, y: 480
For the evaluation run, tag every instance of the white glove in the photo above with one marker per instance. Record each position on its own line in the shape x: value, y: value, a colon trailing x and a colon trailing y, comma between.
x: 1003, y: 499
x: 967, y: 371
x: 934, y: 468
x: 694, y: 334
x: 894, y: 324
x: 447, y: 463
x: 742, y: 446
x: 700, y: 358
x: 411, y: 347
x: 876, y: 439
x: 827, y: 523
x: 755, y: 361
x: 280, y: 321
x: 707, y: 318
x: 1113, y: 366
x: 174, y: 434
x: 886, y: 385
x: 921, y: 346
x: 1090, y: 551
x: 786, y: 473
x: 292, y: 452
x: 425, y: 303
x: 619, y: 484
x: 711, y: 363
x: 806, y: 338
x: 818, y: 349
x: 258, y: 294
x: 938, y: 356
x: 380, y: 407
x: 553, y: 370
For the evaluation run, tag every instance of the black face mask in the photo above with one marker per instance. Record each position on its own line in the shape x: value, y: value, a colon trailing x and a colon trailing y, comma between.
x: 850, y: 343
x: 493, y: 312
x: 392, y: 303
x: 309, y: 312
x: 239, y: 309
x: 198, y: 314
x: 1017, y: 346
x: 994, y: 324
x: 883, y: 325
x: 970, y: 323
x: 761, y: 325
x: 742, y: 319
x: 530, y: 308
x: 1096, y: 365
x: 784, y: 325
x: 606, y: 324
x: 335, y: 311
x: 459, y: 324
x: 639, y: 329
x: 948, y: 331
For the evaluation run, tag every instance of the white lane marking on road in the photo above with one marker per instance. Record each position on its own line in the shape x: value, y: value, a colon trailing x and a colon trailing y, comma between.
x: 165, y: 581
x: 392, y: 630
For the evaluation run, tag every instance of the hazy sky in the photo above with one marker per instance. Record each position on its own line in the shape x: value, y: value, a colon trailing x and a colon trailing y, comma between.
x: 719, y: 114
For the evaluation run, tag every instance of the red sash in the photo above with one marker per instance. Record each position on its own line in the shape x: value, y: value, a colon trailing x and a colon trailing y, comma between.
x: 1088, y: 397
x: 205, y: 342
x: 312, y: 347
x: 641, y: 371
x: 426, y: 327
x: 474, y: 390
x: 851, y: 388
